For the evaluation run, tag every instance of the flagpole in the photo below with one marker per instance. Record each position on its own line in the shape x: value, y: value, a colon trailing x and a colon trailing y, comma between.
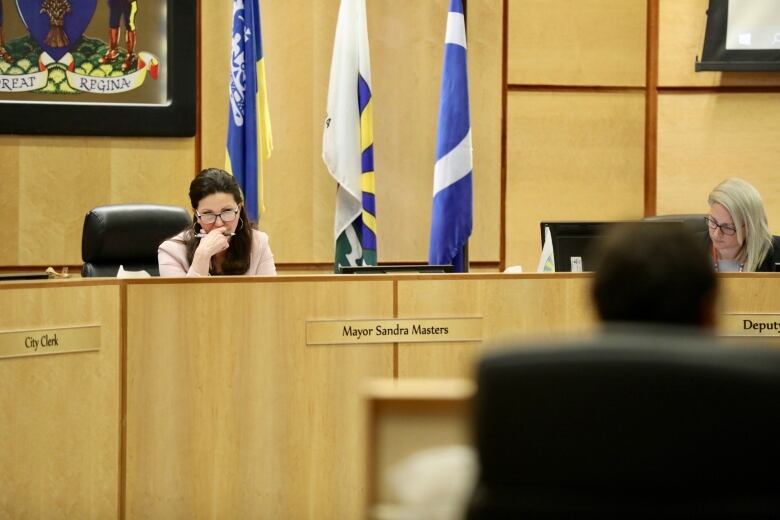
x: 465, y: 252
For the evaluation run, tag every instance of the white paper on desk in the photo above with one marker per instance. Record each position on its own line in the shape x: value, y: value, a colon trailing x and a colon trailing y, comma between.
x: 131, y: 274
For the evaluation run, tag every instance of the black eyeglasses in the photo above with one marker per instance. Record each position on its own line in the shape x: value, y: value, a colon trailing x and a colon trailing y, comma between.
x: 229, y: 215
x: 726, y: 229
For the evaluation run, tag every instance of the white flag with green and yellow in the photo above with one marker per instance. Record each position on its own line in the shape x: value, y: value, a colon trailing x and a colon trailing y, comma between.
x: 348, y: 139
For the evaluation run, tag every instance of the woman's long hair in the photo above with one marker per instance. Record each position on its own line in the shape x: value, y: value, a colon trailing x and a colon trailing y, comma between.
x: 744, y: 204
x: 209, y: 182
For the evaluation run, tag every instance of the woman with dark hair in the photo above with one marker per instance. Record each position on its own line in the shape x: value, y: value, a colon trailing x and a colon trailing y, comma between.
x: 222, y: 240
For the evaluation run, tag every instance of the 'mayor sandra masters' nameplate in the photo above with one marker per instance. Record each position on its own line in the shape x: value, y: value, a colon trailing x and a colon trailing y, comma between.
x: 350, y: 332
x: 750, y: 325
x: 41, y: 342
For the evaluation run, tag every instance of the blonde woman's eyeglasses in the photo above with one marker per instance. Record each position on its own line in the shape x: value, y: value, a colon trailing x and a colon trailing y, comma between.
x: 726, y: 229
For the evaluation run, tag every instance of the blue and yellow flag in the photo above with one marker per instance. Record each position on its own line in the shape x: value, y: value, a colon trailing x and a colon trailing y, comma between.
x: 348, y: 139
x: 249, y: 140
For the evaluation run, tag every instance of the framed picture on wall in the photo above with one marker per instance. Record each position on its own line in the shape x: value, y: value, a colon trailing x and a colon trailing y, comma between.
x: 98, y: 67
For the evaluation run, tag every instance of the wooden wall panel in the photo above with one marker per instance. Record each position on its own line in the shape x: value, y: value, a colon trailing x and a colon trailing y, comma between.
x: 570, y: 156
x: 704, y: 138
x: 300, y: 194
x: 59, y: 414
x: 588, y: 42
x: 485, y: 67
x: 681, y: 39
x: 60, y: 179
x: 407, y: 62
x: 152, y: 170
x: 214, y: 77
x: 9, y: 200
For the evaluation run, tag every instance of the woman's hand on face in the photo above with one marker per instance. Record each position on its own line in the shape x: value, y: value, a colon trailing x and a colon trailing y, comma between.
x: 214, y: 242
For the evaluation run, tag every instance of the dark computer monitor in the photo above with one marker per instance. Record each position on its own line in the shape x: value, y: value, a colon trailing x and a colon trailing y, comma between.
x: 385, y: 269
x: 573, y: 241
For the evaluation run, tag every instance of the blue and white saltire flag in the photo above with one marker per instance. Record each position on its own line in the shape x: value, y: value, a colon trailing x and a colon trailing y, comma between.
x: 452, y: 200
x: 249, y: 140
x: 348, y: 139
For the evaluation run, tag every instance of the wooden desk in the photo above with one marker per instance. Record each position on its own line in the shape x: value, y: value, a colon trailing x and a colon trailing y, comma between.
x: 204, y: 400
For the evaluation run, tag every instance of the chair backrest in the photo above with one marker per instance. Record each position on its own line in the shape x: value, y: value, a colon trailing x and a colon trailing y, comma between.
x: 629, y: 427
x: 693, y: 221
x: 128, y: 235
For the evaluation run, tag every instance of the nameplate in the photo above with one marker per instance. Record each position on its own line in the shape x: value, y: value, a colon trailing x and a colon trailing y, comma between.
x: 750, y: 325
x: 41, y: 342
x: 422, y: 330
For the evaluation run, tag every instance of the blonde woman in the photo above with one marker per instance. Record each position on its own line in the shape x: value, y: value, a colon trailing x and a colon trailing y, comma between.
x: 739, y: 238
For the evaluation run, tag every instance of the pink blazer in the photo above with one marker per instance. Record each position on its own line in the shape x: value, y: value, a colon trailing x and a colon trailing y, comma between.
x: 172, y: 257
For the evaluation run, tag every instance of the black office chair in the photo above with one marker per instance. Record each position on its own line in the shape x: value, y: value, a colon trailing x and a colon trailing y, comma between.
x: 629, y: 427
x: 128, y: 235
x: 694, y: 222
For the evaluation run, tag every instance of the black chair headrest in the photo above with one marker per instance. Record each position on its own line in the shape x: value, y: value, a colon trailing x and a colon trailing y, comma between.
x: 129, y: 233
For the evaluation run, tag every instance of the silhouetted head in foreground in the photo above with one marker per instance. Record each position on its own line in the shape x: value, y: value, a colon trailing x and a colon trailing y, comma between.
x: 654, y: 273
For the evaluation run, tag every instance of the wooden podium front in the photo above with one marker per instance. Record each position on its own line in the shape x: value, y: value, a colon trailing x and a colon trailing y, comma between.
x: 231, y: 415
x: 213, y: 398
x: 60, y: 416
